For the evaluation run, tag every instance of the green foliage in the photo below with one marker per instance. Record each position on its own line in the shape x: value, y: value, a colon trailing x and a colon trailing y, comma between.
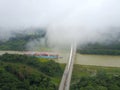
x: 101, y: 78
x: 50, y: 67
x: 20, y: 72
x: 99, y: 48
x: 20, y: 40
x: 99, y: 51
x: 114, y: 45
x: 98, y: 82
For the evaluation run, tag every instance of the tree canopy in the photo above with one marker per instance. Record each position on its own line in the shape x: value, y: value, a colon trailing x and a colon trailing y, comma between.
x: 21, y: 72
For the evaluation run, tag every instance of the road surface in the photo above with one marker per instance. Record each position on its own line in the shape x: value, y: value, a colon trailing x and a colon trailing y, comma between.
x: 65, y: 81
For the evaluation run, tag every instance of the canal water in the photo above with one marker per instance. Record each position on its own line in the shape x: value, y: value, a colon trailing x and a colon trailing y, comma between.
x: 97, y: 60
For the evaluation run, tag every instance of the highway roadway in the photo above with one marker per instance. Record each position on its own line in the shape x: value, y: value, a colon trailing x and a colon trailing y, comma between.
x: 66, y: 78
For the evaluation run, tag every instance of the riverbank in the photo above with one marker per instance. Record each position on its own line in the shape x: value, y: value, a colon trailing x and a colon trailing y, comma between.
x: 100, y: 52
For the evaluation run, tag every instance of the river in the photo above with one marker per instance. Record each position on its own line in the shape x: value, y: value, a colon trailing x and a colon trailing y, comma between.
x: 82, y: 59
x: 98, y: 60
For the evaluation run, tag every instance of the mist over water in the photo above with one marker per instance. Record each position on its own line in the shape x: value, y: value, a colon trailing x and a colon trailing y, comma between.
x: 65, y: 20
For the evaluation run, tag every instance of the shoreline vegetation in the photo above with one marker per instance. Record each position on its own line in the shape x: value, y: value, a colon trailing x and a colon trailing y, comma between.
x: 20, y: 40
x: 113, y: 48
x: 99, y: 51
x: 86, y: 77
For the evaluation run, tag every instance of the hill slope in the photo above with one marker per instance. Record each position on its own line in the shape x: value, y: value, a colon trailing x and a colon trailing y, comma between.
x: 20, y: 72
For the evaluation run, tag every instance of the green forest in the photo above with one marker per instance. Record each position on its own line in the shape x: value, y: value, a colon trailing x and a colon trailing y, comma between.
x: 100, y: 49
x: 95, y: 78
x: 19, y: 41
x: 21, y: 72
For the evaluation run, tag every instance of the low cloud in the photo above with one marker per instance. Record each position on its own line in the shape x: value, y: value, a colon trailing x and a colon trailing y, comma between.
x: 65, y: 20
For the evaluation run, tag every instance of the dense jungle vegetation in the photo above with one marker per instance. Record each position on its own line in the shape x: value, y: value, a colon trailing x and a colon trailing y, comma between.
x: 19, y: 41
x: 102, y: 49
x: 21, y: 72
x: 95, y: 78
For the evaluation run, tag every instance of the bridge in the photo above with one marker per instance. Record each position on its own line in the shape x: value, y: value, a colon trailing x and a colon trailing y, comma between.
x: 66, y: 78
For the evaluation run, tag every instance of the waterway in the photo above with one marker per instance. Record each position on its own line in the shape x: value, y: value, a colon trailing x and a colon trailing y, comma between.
x: 98, y: 60
x: 82, y: 59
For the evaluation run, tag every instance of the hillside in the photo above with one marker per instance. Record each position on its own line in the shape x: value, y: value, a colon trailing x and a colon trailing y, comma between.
x: 20, y: 39
x: 104, y: 44
x: 20, y: 72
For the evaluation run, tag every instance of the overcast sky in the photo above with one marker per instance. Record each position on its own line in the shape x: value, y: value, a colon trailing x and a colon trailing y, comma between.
x: 27, y: 13
x: 65, y: 20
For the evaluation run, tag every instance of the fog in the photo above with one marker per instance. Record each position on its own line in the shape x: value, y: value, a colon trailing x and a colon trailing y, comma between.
x: 65, y: 20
